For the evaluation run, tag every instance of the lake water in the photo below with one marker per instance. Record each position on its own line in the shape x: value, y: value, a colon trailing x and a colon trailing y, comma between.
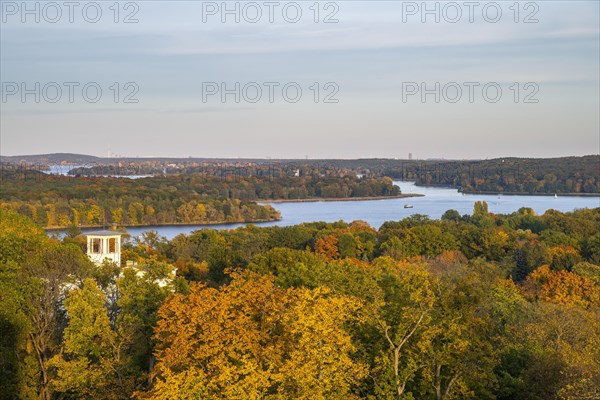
x: 65, y: 169
x: 435, y: 202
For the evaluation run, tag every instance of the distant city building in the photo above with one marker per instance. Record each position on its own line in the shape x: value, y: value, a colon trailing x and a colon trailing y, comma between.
x: 104, y: 245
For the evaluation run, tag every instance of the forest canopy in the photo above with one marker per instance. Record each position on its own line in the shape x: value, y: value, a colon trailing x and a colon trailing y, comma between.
x: 58, y: 201
x: 576, y: 175
x: 477, y: 306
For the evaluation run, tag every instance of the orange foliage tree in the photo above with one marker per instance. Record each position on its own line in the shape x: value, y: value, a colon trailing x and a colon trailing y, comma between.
x: 328, y: 246
x: 253, y: 340
x: 562, y: 287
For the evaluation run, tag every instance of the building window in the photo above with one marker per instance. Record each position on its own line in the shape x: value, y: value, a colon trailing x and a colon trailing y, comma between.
x: 112, y: 245
x: 96, y: 246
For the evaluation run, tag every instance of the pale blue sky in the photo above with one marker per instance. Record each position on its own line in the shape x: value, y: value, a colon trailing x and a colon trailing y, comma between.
x: 370, y: 54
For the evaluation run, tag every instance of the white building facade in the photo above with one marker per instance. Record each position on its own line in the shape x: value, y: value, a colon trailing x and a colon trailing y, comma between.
x: 104, y: 245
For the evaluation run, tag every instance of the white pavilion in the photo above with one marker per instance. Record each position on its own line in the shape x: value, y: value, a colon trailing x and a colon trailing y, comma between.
x: 104, y: 245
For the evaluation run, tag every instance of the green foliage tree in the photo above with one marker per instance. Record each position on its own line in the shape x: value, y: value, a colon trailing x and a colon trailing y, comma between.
x: 92, y: 363
x: 312, y: 312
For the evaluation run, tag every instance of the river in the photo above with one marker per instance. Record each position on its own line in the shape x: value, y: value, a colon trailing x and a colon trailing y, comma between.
x: 435, y: 202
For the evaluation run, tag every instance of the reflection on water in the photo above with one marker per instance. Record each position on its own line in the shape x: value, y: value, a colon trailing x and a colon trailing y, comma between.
x: 435, y: 202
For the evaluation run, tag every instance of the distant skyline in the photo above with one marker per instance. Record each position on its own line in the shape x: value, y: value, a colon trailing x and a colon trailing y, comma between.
x: 156, y: 157
x: 369, y: 61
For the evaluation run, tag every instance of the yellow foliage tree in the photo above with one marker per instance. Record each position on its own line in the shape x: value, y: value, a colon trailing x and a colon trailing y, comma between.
x: 563, y: 257
x: 317, y: 365
x: 117, y: 215
x: 253, y: 340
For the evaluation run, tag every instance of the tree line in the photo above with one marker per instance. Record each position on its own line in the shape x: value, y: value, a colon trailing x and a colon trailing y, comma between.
x: 478, y: 306
x: 511, y: 175
x: 505, y: 175
x: 174, y: 199
x: 579, y: 175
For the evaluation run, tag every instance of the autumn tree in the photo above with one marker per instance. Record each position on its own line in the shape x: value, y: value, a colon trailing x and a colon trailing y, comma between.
x: 481, y: 216
x: 400, y: 313
x: 35, y: 274
x: 93, y: 363
x: 459, y: 358
x: 318, y: 362
x: 292, y: 268
x: 563, y: 257
x: 328, y: 246
x: 589, y: 270
x: 253, y: 340
x: 19, y: 366
x: 142, y: 290
x: 562, y: 287
x: 54, y: 268
x: 554, y: 354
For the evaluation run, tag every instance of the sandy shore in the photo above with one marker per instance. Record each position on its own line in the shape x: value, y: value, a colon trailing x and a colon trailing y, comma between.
x: 99, y: 227
x: 533, y: 194
x: 318, y: 199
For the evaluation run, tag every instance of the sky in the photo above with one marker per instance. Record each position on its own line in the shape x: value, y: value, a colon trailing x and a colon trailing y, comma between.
x: 330, y: 79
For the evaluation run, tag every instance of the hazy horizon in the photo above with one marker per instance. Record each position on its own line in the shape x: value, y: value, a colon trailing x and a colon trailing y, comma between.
x: 118, y: 157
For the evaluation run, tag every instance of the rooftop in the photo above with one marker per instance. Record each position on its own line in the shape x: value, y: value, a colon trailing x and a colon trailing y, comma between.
x: 104, y: 232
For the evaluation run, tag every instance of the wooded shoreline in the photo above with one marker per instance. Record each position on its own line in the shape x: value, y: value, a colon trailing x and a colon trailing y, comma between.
x: 60, y: 228
x: 318, y: 199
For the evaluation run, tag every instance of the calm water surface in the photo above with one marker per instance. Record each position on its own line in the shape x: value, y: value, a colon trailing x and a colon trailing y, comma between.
x: 435, y: 202
x: 65, y: 169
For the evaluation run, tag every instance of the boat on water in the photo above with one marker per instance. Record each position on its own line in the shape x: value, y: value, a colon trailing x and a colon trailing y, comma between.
x: 408, y: 206
x: 555, y: 196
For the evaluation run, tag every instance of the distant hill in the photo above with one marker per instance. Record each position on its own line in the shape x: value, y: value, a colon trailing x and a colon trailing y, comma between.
x: 54, y: 158
x: 71, y: 158
x: 373, y: 163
